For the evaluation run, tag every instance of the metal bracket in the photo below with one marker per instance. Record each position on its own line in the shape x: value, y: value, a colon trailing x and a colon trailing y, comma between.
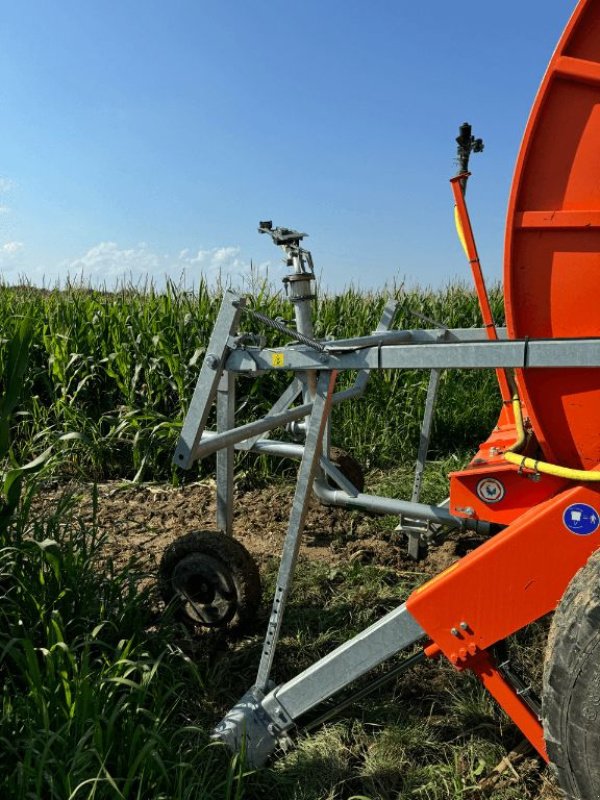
x: 208, y: 380
x: 416, y: 546
x: 258, y: 723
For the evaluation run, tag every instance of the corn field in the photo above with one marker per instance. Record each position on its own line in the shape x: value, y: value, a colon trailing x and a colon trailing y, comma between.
x: 114, y: 372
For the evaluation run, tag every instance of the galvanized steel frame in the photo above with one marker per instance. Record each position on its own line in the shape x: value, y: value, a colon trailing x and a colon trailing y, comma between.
x: 264, y: 714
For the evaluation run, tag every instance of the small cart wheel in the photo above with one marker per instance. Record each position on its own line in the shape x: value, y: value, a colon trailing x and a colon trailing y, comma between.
x: 571, y: 695
x: 212, y: 579
x: 348, y: 466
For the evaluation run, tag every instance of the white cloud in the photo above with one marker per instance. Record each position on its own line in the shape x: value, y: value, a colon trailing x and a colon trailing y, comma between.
x: 226, y: 260
x: 6, y: 185
x: 108, y: 265
x: 10, y: 259
x: 4, y: 209
x: 10, y: 248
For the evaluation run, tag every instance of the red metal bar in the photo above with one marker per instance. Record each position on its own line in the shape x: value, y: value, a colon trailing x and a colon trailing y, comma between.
x: 484, y: 303
x: 504, y: 694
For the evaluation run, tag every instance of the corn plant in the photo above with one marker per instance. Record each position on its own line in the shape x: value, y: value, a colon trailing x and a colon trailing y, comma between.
x: 13, y: 373
x: 120, y: 369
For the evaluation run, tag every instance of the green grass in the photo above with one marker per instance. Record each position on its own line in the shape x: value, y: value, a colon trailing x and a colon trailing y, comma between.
x: 102, y: 699
x: 93, y: 695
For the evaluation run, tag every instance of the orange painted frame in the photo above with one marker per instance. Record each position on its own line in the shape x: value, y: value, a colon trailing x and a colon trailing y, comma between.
x: 458, y: 191
x: 552, y: 260
x: 510, y: 581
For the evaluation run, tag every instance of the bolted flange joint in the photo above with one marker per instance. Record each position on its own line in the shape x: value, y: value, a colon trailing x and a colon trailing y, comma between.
x: 248, y: 728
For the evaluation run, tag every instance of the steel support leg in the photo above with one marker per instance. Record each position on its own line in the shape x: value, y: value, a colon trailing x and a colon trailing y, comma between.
x: 225, y: 421
x: 432, y: 388
x: 416, y: 548
x: 208, y: 380
x: 306, y: 474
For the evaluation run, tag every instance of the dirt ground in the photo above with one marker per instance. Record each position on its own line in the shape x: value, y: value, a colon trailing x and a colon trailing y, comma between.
x: 143, y: 520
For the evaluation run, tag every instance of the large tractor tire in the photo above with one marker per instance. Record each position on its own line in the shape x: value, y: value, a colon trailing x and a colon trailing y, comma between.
x: 212, y: 580
x: 571, y: 696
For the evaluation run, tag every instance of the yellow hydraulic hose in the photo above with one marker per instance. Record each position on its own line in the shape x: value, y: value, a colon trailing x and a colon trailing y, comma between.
x: 513, y: 457
x: 516, y: 404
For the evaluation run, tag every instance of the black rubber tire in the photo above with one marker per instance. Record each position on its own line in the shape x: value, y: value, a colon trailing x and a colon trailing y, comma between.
x: 212, y: 579
x: 571, y: 694
x: 348, y: 466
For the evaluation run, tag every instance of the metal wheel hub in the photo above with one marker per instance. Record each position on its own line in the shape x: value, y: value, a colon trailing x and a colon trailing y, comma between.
x: 207, y: 588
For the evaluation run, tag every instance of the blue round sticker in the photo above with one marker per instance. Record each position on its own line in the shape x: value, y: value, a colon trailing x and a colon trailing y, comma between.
x: 581, y: 519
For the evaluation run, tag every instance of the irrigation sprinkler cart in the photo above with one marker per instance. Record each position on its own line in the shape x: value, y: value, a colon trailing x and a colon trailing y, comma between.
x: 490, y: 594
x: 542, y: 520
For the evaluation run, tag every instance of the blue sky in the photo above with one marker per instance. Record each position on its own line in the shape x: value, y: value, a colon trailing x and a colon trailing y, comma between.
x: 144, y: 138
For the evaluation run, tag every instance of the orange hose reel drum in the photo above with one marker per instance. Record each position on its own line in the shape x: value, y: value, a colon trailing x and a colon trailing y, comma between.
x: 552, y: 247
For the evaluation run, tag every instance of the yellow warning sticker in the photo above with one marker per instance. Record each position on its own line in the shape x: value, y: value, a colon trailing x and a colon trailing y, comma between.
x: 277, y: 359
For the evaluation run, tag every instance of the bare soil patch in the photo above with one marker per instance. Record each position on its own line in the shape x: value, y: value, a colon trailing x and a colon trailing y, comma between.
x: 141, y: 520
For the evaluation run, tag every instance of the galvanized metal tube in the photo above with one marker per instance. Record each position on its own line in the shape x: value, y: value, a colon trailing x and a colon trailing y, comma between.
x: 300, y: 295
x: 383, y: 337
x: 394, y: 632
x: 225, y: 422
x: 212, y: 441
x: 210, y: 444
x: 367, y: 502
x: 403, y: 508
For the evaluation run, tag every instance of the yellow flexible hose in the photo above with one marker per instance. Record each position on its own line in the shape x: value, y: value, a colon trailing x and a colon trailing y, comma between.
x: 516, y: 405
x: 513, y: 457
